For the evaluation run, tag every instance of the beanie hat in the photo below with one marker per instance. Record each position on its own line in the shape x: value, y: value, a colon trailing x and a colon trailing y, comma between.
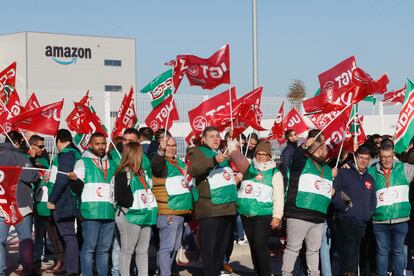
x: 264, y: 146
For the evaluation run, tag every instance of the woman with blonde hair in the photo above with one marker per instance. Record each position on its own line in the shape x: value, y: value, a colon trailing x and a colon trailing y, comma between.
x: 137, y: 209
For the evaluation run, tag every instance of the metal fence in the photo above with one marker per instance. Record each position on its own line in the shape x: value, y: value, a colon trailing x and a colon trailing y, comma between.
x: 184, y: 102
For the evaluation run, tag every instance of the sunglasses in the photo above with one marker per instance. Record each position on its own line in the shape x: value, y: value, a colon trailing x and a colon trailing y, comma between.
x: 39, y: 146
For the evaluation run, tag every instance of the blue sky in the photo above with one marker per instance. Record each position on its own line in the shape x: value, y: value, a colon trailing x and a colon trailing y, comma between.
x: 296, y: 39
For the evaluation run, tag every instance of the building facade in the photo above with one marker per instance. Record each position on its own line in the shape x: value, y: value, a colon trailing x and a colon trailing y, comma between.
x: 57, y: 66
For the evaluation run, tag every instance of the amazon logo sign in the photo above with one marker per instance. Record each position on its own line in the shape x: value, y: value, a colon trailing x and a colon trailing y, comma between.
x: 66, y: 55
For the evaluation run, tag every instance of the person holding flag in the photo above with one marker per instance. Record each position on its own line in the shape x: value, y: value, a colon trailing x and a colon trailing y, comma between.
x: 62, y: 202
x: 11, y: 156
x: 260, y: 201
x: 93, y: 173
x: 392, y: 213
x: 216, y: 207
x: 308, y: 197
x: 174, y: 194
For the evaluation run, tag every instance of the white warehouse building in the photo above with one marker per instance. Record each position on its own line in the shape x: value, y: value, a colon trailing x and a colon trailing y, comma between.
x: 57, y: 66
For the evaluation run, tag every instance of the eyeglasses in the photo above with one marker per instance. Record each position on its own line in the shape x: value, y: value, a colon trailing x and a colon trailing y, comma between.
x: 262, y: 154
x: 39, y: 146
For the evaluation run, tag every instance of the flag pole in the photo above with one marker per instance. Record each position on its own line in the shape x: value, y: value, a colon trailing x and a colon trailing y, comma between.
x: 340, y: 150
x: 7, y: 135
x: 247, y: 146
x: 24, y: 137
x: 168, y: 114
x: 39, y: 169
x: 343, y: 140
x: 11, y: 115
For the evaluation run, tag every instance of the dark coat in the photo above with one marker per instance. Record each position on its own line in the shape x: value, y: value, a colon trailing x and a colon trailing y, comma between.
x: 61, y: 196
x: 286, y: 159
x: 10, y: 156
x: 199, y: 168
x: 296, y: 168
x: 360, y: 190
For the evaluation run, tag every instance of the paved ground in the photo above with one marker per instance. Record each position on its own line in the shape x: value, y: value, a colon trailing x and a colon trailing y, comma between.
x: 240, y: 261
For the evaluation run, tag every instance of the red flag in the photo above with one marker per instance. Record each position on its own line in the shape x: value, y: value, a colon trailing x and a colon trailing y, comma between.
x: 339, y: 77
x: 44, y: 119
x: 126, y: 115
x: 362, y: 85
x: 342, y: 85
x: 157, y: 118
x: 207, y: 73
x: 12, y: 108
x: 206, y: 113
x: 337, y: 130
x: 295, y: 121
x: 88, y: 121
x: 396, y: 96
x: 320, y: 120
x: 9, y: 177
x: 5, y: 125
x: 14, y: 105
x: 246, y: 112
x: 365, y: 85
x: 7, y: 82
x: 32, y: 103
x: 73, y: 119
x: 189, y: 138
x: 276, y: 132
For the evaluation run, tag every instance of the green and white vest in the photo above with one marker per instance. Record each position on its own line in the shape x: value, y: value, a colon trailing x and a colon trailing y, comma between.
x: 180, y: 197
x: 314, y: 187
x: 47, y: 187
x: 146, y: 164
x: 96, y: 193
x: 221, y: 180
x: 144, y: 208
x: 392, y: 202
x: 256, y: 192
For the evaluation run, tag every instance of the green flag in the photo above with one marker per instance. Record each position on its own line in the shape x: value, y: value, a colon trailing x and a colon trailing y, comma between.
x: 371, y: 99
x: 405, y: 124
x: 159, y: 88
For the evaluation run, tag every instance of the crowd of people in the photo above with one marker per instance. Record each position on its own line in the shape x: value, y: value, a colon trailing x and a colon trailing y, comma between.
x: 102, y: 208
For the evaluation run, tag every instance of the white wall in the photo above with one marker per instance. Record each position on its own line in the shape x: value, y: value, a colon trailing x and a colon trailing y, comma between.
x: 53, y: 81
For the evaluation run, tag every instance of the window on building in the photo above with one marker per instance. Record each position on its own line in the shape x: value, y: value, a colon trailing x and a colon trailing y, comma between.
x: 113, y: 62
x: 114, y: 114
x: 113, y: 88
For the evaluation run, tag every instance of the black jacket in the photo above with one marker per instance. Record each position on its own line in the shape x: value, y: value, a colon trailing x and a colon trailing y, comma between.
x: 296, y: 168
x: 61, y: 196
x: 10, y: 156
x: 286, y: 158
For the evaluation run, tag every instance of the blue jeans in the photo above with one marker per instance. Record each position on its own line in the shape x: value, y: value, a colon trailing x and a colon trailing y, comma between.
x: 170, y: 232
x: 390, y: 237
x: 24, y: 233
x: 325, y: 251
x: 66, y: 229
x: 238, y: 229
x: 97, y: 238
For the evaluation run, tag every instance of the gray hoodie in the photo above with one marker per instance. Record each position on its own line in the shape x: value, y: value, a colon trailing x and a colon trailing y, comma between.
x: 10, y: 156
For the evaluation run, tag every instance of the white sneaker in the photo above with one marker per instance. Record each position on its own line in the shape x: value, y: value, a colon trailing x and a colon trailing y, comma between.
x: 243, y: 242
